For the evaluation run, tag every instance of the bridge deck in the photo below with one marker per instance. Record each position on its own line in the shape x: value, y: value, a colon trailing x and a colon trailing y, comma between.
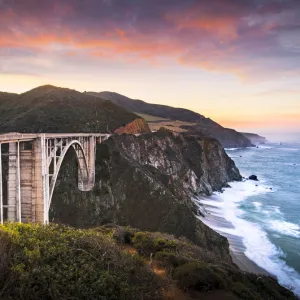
x: 11, y: 137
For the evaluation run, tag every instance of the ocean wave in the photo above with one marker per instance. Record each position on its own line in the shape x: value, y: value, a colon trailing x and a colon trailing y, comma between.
x: 264, y: 147
x: 288, y: 149
x: 232, y: 149
x: 257, y: 205
x: 259, y: 248
x: 285, y: 228
x: 291, y: 164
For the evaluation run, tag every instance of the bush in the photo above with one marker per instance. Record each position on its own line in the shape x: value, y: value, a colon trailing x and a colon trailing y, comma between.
x: 198, y: 276
x: 245, y: 293
x: 57, y: 262
x: 148, y: 243
x: 169, y: 259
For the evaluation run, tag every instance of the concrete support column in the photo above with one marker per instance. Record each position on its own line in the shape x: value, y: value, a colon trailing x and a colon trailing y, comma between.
x: 92, y: 161
x: 26, y: 160
x: 37, y: 182
x: 82, y: 170
x: 1, y: 189
x: 12, y: 183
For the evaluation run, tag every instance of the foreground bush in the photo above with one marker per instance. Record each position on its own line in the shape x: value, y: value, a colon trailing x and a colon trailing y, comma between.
x: 56, y: 262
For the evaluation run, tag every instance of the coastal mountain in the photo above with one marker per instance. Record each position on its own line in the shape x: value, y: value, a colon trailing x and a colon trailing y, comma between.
x: 7, y: 97
x: 166, y: 116
x: 255, y: 138
x: 52, y: 109
x: 150, y: 182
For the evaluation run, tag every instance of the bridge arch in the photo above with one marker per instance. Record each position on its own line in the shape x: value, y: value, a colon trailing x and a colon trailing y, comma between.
x: 34, y: 163
x: 85, y: 170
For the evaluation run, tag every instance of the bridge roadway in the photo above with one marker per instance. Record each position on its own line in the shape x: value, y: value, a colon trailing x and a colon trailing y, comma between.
x: 34, y: 161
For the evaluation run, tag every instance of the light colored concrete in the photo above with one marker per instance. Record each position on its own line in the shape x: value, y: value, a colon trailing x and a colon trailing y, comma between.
x: 12, y: 183
x: 32, y: 173
x: 26, y: 158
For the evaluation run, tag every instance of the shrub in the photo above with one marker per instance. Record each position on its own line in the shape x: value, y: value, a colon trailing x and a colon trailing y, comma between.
x: 148, y: 243
x: 198, y: 276
x: 169, y: 259
x: 57, y: 262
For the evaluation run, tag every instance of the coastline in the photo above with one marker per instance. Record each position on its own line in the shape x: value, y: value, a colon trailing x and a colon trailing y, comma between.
x: 237, y: 249
x: 247, y: 265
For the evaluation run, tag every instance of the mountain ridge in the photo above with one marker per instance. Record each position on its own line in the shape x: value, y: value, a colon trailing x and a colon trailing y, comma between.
x: 229, y: 138
x: 53, y: 109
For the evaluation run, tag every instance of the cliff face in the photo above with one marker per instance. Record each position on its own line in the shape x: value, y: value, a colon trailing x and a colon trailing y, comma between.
x: 229, y: 138
x: 255, y: 138
x: 147, y: 182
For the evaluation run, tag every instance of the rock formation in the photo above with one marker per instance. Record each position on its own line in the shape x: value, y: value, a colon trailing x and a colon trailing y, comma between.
x: 134, y: 127
x: 255, y: 138
x: 147, y: 182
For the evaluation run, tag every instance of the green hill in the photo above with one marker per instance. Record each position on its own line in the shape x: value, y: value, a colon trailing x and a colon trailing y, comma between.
x: 53, y: 109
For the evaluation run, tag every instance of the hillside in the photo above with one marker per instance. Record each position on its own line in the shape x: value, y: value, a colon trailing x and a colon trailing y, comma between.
x: 255, y: 138
x: 115, y: 263
x: 203, y: 126
x: 7, y: 98
x: 53, y: 109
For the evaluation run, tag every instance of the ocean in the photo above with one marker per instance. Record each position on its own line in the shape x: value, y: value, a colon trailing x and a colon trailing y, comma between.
x: 265, y: 215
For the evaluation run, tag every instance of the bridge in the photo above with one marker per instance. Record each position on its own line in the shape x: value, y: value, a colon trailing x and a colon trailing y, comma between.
x: 34, y: 161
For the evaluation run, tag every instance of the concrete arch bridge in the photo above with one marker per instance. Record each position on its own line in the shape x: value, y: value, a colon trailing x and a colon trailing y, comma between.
x: 33, y: 164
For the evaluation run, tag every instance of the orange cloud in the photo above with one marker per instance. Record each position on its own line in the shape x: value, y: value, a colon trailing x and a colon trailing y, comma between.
x: 201, y: 36
x: 224, y: 27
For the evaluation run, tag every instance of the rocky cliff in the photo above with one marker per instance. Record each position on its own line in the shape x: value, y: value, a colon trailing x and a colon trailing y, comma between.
x: 139, y: 125
x: 147, y: 182
x: 255, y: 138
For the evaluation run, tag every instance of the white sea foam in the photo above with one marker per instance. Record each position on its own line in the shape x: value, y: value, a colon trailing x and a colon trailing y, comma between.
x: 288, y: 149
x: 232, y: 149
x: 285, y: 228
x: 265, y: 147
x: 258, y: 247
x: 257, y: 205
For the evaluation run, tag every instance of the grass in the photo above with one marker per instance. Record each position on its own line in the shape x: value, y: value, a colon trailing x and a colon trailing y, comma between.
x: 150, y: 118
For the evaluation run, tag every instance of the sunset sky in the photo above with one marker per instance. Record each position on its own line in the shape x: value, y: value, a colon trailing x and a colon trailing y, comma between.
x: 235, y: 61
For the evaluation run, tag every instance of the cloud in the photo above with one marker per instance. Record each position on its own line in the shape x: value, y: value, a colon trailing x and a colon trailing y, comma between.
x: 245, y: 38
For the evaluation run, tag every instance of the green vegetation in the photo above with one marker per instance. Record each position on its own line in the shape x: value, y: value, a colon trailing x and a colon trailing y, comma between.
x: 56, y: 262
x: 53, y: 109
x: 111, y: 262
x: 192, y: 268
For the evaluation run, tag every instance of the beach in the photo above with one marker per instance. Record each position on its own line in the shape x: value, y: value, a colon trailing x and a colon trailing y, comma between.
x: 237, y: 247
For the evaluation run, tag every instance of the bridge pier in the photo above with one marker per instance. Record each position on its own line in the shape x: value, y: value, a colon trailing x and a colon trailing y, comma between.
x: 39, y: 174
x: 12, y: 190
x: 33, y: 165
x: 26, y: 158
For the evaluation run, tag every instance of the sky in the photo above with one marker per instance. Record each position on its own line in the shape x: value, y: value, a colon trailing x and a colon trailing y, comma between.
x: 235, y: 61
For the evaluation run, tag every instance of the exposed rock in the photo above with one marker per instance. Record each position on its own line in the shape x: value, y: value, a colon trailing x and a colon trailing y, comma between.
x: 147, y: 182
x: 253, y: 177
x: 136, y: 126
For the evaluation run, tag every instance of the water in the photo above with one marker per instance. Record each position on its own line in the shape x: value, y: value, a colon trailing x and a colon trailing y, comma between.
x: 266, y: 214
